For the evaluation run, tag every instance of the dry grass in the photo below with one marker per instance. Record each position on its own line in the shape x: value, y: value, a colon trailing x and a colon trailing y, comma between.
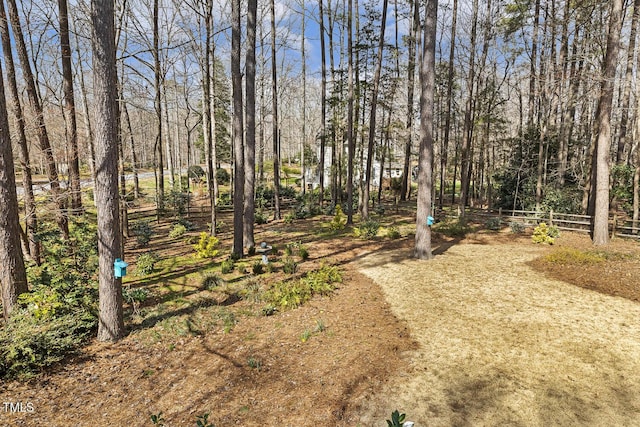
x: 501, y: 344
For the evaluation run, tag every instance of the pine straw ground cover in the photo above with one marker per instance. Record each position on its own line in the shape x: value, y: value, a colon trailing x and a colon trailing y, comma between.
x: 501, y: 342
x: 488, y: 333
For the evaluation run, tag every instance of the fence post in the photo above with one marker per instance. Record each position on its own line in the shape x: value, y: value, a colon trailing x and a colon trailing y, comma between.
x: 614, y: 225
x: 500, y: 215
x: 551, y: 218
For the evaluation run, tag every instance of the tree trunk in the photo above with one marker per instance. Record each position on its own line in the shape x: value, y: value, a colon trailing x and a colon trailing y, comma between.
x: 111, y: 322
x: 274, y: 113
x: 350, y: 136
x: 601, y: 214
x: 157, y: 71
x: 36, y: 105
x: 449, y: 100
x: 31, y: 222
x: 238, y: 151
x: 303, y: 140
x: 467, y: 133
x: 323, y: 106
x: 250, y: 145
x: 70, y: 109
x: 372, y: 117
x: 13, y: 277
x: 425, y: 171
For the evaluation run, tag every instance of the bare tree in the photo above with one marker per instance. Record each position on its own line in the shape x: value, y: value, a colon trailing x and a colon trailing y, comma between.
x: 36, y: 105
x: 372, y: 117
x: 274, y: 115
x: 238, y: 149
x: 425, y: 168
x: 110, y: 318
x: 250, y: 145
x: 601, y: 205
x: 350, y: 135
x: 13, y: 277
x: 70, y: 108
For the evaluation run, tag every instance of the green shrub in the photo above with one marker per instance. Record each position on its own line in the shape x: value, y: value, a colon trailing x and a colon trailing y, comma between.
x: 289, y: 266
x: 397, y: 419
x: 289, y: 217
x: 211, y: 281
x: 545, y: 234
x: 261, y: 217
x: 294, y: 293
x: 143, y: 232
x: 517, y: 227
x: 573, y: 256
x: 227, y: 266
x: 178, y: 230
x: 367, y: 229
x: 303, y: 253
x: 223, y: 176
x: 196, y: 173
x: 206, y: 246
x: 257, y: 267
x: 339, y: 220
x: 224, y: 200
x: 146, y: 263
x: 393, y: 232
x: 494, y: 224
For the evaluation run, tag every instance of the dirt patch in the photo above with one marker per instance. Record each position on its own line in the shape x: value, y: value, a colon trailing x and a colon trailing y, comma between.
x: 500, y: 343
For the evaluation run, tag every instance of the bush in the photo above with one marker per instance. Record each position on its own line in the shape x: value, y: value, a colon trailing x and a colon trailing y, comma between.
x: 143, y: 231
x: 260, y: 217
x: 517, y: 227
x: 367, y: 230
x: 257, y: 267
x: 224, y: 200
x: 289, y: 266
x: 146, y: 263
x: 223, y: 176
x: 227, y: 266
x: 456, y: 228
x: 211, y: 281
x: 196, y: 173
x: 294, y: 293
x: 206, y: 246
x: 303, y: 253
x: 393, y: 233
x: 494, y: 224
x: 178, y: 230
x: 339, y: 220
x: 545, y: 234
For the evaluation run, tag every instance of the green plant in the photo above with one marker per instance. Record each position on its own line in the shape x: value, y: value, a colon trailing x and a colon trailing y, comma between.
x: 146, y: 263
x: 257, y: 267
x: 339, y: 220
x: 303, y: 253
x: 494, y: 224
x: 157, y: 419
x: 367, y: 229
x: 177, y: 231
x: 135, y: 297
x: 261, y: 217
x: 289, y: 217
x: 206, y: 246
x: 306, y: 334
x: 203, y: 421
x: 143, y: 232
x: 289, y: 266
x: 393, y: 232
x: 516, y: 227
x: 223, y: 176
x: 254, y: 363
x: 457, y: 228
x: 545, y: 234
x: 320, y: 326
x: 227, y: 266
x: 397, y: 419
x: 269, y: 310
x: 211, y: 281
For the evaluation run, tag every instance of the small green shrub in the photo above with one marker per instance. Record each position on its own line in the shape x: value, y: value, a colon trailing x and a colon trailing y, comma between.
x: 158, y: 419
x: 545, y: 234
x: 517, y: 227
x: 257, y: 267
x: 339, y: 220
x: 494, y: 224
x: 211, y: 281
x: 269, y: 310
x: 260, y: 217
x: 393, y: 233
x: 227, y: 266
x: 367, y: 229
x: 178, y: 230
x: 223, y: 176
x: 206, y: 246
x: 146, y: 263
x: 573, y: 256
x: 135, y: 297
x: 289, y: 266
x: 303, y: 253
x: 203, y: 420
x: 397, y: 419
x: 143, y: 232
x: 254, y: 363
x: 289, y: 217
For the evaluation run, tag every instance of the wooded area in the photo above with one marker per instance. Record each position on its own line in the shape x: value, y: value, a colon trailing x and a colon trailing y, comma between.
x: 523, y: 105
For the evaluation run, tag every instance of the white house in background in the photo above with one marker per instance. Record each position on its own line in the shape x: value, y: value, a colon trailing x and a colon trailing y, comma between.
x: 312, y: 175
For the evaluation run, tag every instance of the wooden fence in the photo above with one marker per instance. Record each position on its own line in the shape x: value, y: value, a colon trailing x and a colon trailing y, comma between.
x: 622, y: 227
